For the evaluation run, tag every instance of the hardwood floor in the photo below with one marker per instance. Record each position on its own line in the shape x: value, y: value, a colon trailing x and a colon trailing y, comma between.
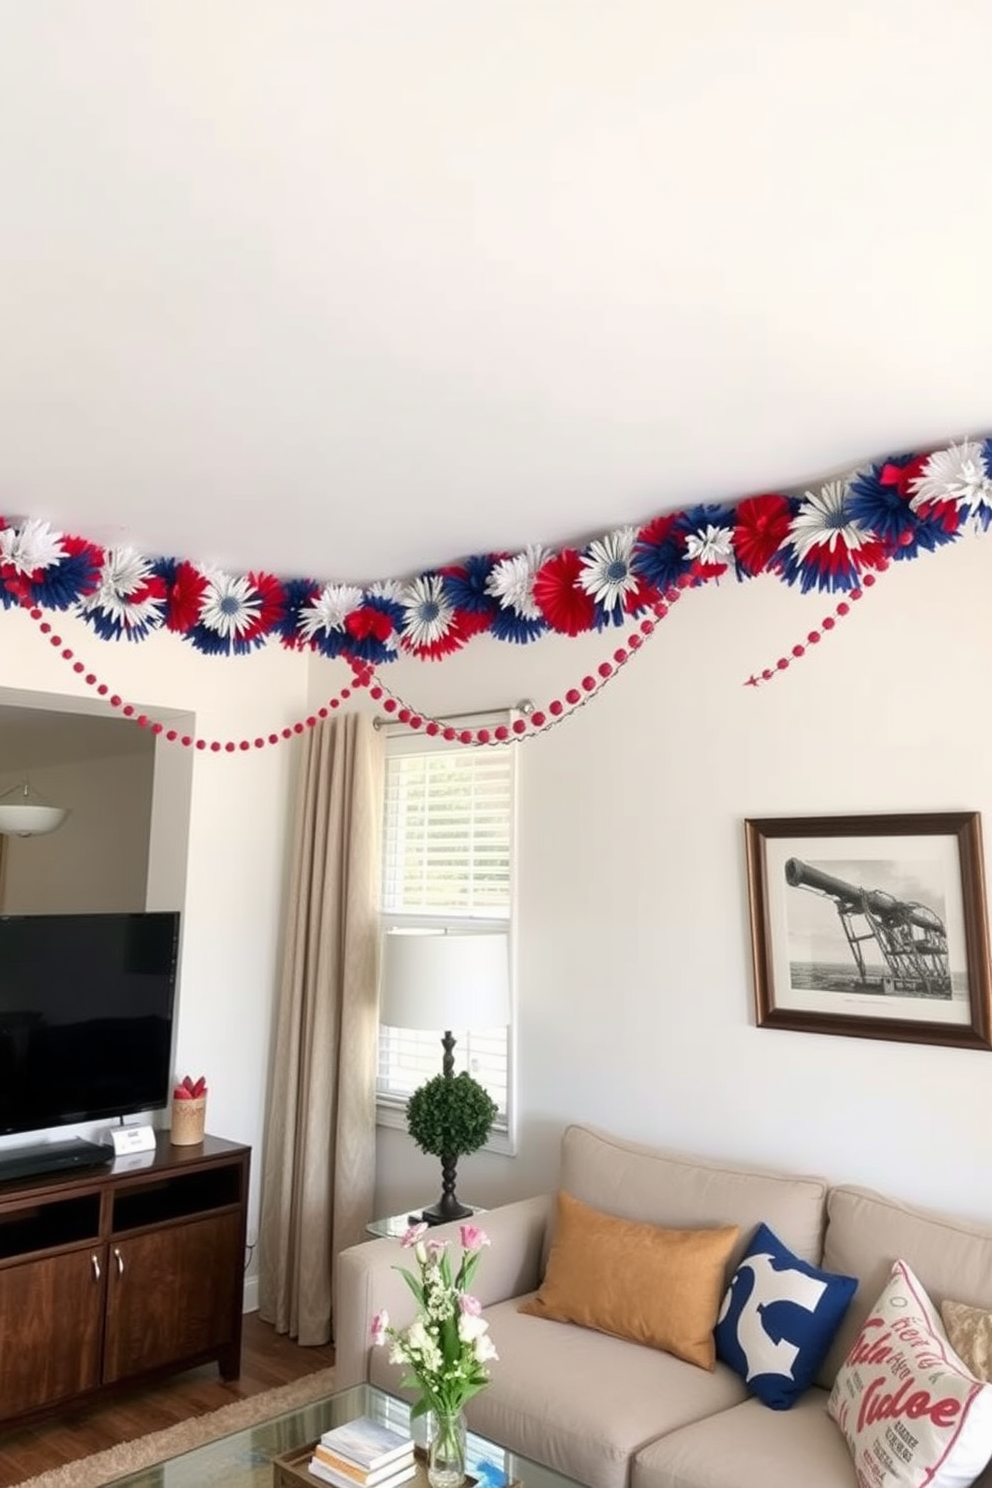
x: 268, y: 1359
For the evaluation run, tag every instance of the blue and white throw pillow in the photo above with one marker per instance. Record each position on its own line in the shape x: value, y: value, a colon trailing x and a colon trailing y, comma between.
x: 778, y: 1319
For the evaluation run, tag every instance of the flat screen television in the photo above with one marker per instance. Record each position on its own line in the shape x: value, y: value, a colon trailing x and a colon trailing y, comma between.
x: 86, y: 1012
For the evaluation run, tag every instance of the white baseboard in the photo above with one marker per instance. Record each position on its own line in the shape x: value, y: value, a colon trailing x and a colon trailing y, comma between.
x: 250, y: 1294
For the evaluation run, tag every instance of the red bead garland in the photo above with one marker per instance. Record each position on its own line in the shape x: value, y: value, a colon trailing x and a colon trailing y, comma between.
x: 361, y: 677
x: 828, y: 623
x: 538, y: 720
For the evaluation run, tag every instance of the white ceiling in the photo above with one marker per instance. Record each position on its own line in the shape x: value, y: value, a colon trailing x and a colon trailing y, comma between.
x: 348, y: 288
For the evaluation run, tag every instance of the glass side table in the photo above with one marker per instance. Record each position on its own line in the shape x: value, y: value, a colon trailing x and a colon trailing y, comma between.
x: 395, y: 1226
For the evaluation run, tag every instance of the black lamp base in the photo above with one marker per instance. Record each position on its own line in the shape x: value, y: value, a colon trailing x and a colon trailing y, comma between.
x: 447, y: 1207
x: 446, y: 1210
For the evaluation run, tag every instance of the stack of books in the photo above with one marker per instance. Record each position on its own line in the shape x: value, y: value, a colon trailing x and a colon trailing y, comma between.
x: 363, y: 1454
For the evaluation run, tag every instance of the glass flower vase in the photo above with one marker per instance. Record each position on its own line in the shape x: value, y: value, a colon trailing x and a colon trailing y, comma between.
x: 446, y: 1450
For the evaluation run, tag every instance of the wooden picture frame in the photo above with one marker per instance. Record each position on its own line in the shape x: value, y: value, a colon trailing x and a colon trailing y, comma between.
x: 871, y: 926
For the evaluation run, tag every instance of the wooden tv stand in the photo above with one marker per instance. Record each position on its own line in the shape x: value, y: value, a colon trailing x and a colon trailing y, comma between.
x: 119, y: 1272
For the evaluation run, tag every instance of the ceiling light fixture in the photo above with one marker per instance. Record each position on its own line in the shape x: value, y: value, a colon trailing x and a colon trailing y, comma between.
x: 25, y: 813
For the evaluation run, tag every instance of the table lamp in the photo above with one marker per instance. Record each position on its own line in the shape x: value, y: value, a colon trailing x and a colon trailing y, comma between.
x: 445, y: 980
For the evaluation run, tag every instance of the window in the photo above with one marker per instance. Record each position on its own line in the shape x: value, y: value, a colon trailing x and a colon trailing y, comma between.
x: 447, y: 862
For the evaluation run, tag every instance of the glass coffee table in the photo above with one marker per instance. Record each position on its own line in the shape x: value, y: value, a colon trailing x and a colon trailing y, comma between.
x: 244, y: 1459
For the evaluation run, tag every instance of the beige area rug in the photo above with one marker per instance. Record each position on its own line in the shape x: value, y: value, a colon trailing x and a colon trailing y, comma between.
x: 146, y: 1451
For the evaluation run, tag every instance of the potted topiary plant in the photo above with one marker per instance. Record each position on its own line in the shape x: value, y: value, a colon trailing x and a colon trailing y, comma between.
x: 449, y: 1117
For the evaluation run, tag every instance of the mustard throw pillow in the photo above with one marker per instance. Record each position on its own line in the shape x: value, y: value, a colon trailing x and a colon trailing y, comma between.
x: 638, y: 1281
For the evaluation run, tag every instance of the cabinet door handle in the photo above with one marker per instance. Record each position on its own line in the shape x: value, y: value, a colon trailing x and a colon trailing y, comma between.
x: 96, y: 1268
x: 120, y: 1261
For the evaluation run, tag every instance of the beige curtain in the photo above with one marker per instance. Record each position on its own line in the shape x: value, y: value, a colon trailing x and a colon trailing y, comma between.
x: 318, y: 1170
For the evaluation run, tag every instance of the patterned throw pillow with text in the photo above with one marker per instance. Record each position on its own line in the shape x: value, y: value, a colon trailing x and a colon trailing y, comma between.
x: 910, y: 1411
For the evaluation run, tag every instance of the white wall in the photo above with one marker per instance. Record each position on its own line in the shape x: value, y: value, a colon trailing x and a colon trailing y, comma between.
x: 634, y: 988
x: 237, y: 841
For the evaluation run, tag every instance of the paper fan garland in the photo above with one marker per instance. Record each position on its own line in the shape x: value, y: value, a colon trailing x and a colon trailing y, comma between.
x: 827, y: 538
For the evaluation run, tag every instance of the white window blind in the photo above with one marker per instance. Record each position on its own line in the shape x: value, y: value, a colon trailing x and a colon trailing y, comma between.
x: 447, y: 838
x: 447, y: 861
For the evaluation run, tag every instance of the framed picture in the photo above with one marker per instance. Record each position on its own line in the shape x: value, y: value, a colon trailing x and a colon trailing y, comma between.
x: 871, y: 925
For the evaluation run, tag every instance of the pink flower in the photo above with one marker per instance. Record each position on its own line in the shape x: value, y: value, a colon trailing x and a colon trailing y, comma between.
x: 473, y: 1238
x: 469, y: 1304
x: 412, y: 1235
x: 435, y: 1249
x: 379, y: 1325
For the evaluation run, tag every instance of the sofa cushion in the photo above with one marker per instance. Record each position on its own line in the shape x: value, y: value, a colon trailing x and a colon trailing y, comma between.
x: 638, y: 1281
x: 909, y: 1409
x: 778, y: 1319
x: 866, y: 1232
x: 684, y: 1192
x: 583, y: 1402
x: 798, y: 1448
x: 969, y: 1332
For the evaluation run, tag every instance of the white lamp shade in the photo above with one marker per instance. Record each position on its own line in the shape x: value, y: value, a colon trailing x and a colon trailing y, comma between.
x: 444, y: 980
x: 26, y: 813
x: 30, y: 821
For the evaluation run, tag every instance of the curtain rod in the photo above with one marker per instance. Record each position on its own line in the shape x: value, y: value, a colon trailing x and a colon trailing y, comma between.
x: 525, y: 706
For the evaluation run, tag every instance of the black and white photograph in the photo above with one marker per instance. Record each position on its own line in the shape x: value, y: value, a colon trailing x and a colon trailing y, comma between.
x: 874, y: 926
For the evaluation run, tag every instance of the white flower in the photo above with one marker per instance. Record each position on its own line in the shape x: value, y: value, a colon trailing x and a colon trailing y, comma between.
x: 428, y: 611
x: 606, y: 572
x: 329, y: 610
x: 823, y: 519
x: 956, y: 474
x: 711, y: 545
x: 416, y: 1335
x: 512, y: 580
x: 124, y: 573
x: 485, y: 1349
x: 471, y: 1326
x: 421, y: 1350
x: 31, y: 546
x: 228, y: 605
x: 390, y: 589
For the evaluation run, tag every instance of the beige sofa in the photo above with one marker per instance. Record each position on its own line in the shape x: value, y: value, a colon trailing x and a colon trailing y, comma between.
x: 615, y: 1414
